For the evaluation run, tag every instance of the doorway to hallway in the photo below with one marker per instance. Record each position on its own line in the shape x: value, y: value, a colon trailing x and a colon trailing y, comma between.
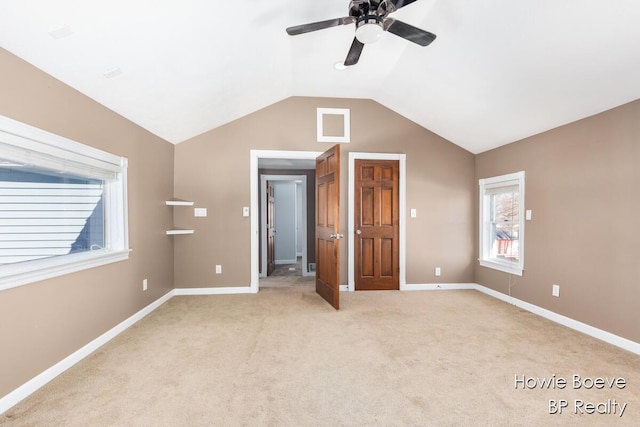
x: 278, y: 162
x: 284, y: 221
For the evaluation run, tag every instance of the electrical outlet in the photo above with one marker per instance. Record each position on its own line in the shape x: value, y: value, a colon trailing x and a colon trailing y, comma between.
x: 438, y: 271
x: 555, y: 290
x: 145, y: 284
x: 218, y: 269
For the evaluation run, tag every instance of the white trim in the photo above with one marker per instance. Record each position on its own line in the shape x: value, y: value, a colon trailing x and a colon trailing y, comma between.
x: 37, y: 147
x: 48, y: 268
x: 346, y: 127
x: 40, y: 380
x: 594, y: 332
x: 121, y: 221
x: 439, y: 286
x: 484, y: 240
x: 503, y: 180
x: 501, y: 267
x: 263, y: 217
x: 255, y: 229
x: 402, y: 160
x: 21, y: 138
x: 254, y: 156
x: 232, y: 290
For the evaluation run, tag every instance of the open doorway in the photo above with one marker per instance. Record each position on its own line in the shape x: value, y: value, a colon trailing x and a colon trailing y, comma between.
x: 284, y: 224
x: 278, y: 163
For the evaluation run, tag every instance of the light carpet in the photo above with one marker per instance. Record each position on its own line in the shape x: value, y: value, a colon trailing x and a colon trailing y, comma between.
x: 284, y: 357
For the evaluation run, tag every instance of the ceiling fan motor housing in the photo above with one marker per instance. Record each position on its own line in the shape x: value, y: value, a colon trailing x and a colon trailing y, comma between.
x: 369, y: 28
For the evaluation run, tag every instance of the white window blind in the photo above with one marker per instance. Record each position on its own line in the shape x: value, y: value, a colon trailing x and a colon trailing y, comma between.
x: 40, y: 220
x: 62, y: 156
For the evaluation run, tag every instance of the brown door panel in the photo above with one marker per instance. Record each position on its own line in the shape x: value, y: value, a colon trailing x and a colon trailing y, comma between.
x: 328, y: 226
x: 377, y: 223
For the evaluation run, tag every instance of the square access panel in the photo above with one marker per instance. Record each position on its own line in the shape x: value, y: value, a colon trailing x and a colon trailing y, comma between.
x: 334, y: 125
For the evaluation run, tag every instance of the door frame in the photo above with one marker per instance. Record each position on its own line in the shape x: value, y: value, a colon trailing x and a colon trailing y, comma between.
x: 254, y: 185
x: 263, y: 218
x: 402, y: 161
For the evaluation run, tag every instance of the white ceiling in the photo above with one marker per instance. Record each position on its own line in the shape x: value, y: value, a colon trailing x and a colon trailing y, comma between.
x: 499, y: 71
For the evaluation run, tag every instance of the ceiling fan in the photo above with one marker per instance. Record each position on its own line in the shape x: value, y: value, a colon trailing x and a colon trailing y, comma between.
x: 371, y: 19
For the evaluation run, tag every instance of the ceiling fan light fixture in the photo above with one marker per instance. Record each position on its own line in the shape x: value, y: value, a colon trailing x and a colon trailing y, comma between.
x: 369, y: 30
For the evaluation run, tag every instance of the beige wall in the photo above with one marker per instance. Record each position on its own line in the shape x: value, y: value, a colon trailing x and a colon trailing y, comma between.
x: 213, y: 170
x: 582, y: 187
x: 42, y: 323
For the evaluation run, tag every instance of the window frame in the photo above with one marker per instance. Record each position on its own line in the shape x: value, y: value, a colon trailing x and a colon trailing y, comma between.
x: 485, y: 211
x: 16, y: 136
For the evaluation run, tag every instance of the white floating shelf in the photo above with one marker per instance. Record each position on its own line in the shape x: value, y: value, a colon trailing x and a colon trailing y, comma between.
x: 179, y: 231
x: 178, y: 202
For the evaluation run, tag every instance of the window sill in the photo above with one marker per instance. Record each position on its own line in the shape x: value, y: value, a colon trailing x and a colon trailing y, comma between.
x: 14, y: 275
x: 517, y: 270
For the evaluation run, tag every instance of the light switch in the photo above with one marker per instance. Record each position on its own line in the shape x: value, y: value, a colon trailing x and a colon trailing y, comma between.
x: 200, y: 212
x: 414, y: 213
x: 527, y: 215
x: 245, y: 211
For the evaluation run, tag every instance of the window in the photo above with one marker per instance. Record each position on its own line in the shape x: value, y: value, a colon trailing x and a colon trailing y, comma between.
x: 502, y: 223
x: 62, y: 205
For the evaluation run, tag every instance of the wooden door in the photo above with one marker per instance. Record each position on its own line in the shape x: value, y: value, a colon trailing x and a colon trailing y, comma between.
x: 376, y: 238
x: 271, y: 228
x: 328, y: 226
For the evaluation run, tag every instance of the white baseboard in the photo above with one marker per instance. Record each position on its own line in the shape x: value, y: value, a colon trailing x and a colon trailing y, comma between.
x: 33, y: 385
x: 437, y: 286
x: 422, y: 287
x: 605, y: 336
x: 214, y: 291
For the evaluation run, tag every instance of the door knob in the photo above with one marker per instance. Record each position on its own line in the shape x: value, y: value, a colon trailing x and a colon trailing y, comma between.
x: 358, y: 232
x: 336, y: 236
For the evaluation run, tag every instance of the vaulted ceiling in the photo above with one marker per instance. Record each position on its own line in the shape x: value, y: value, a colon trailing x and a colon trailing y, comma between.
x: 499, y: 70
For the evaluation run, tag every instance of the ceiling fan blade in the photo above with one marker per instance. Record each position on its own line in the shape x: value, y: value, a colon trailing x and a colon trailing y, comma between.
x: 315, y: 26
x: 401, y: 3
x: 354, y: 52
x: 409, y: 32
